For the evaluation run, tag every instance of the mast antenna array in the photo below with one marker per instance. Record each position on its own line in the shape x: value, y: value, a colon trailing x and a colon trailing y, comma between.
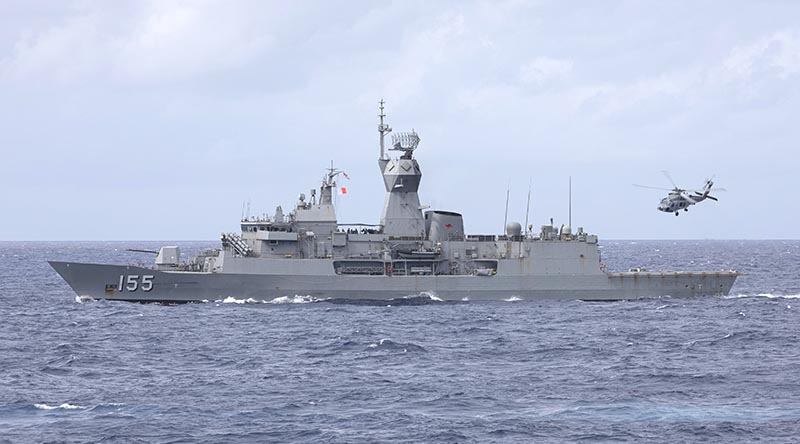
x: 406, y: 142
x: 383, y: 129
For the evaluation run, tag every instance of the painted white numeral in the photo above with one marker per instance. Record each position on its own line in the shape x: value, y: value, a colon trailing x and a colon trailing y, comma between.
x: 147, y: 282
x: 133, y: 284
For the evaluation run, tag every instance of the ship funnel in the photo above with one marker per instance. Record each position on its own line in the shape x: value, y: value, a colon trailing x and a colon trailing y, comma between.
x: 444, y: 226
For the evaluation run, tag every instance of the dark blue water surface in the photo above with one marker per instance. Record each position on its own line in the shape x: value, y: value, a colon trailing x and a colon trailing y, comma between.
x: 706, y: 369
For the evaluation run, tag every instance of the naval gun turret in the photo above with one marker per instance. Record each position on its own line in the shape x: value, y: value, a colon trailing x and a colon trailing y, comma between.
x: 402, y: 212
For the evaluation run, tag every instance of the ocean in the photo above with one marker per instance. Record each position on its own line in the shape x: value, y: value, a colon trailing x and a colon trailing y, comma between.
x: 704, y: 369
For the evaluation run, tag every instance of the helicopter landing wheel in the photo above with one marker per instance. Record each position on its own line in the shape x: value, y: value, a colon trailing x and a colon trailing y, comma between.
x: 677, y: 213
x: 685, y: 209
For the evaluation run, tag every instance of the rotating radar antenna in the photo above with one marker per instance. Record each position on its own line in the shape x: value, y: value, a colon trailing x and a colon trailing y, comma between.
x: 406, y: 142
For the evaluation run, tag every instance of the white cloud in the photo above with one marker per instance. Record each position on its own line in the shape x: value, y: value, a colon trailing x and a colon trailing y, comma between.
x: 422, y: 51
x: 159, y: 41
x: 179, y: 40
x: 62, y: 53
x: 540, y: 70
x: 779, y: 52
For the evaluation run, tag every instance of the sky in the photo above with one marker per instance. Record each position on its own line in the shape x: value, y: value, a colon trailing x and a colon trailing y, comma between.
x: 159, y: 120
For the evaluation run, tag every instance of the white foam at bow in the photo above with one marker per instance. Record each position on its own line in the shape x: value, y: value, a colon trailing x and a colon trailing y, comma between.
x: 232, y: 300
x: 431, y: 295
x: 296, y: 299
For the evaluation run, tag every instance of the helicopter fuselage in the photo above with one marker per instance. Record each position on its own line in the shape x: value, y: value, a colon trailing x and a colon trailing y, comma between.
x: 676, y: 202
x: 681, y: 199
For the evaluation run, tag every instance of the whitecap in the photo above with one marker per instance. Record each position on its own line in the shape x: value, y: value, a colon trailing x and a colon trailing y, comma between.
x: 296, y: 299
x: 381, y: 342
x: 513, y: 299
x: 779, y: 296
x: 424, y: 295
x: 64, y: 406
x: 431, y: 295
x: 232, y: 300
x: 763, y: 295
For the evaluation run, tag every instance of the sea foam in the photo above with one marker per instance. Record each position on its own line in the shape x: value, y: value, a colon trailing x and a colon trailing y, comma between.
x: 64, y: 406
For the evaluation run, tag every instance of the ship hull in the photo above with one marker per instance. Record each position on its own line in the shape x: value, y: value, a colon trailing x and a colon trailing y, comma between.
x: 138, y: 284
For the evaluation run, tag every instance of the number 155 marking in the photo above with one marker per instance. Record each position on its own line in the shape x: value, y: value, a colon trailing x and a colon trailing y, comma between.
x: 133, y: 283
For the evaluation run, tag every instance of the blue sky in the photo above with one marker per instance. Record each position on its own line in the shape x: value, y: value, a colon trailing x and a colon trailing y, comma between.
x: 158, y: 119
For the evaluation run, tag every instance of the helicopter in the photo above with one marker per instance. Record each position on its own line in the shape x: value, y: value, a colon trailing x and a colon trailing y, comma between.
x: 681, y: 199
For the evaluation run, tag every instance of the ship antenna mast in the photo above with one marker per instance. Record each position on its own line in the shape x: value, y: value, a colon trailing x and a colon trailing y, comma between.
x: 508, y: 194
x: 383, y: 129
x: 570, y: 201
x: 528, y: 208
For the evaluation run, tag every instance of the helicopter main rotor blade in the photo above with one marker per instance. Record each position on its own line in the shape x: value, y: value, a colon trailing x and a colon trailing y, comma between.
x: 701, y: 192
x: 712, y: 198
x: 666, y: 173
x: 652, y: 188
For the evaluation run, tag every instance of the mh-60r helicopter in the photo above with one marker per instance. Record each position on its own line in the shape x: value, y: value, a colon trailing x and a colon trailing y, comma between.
x: 681, y: 199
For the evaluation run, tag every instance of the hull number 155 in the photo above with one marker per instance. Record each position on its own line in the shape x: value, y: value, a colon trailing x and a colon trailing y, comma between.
x: 133, y: 282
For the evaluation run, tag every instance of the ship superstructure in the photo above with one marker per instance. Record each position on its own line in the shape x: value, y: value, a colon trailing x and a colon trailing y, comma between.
x: 412, y: 251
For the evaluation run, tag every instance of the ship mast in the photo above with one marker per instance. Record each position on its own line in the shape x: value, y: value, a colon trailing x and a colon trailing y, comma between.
x: 402, y: 212
x: 383, y: 129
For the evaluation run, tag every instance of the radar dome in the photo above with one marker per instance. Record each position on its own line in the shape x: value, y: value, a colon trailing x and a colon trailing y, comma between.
x: 514, y: 229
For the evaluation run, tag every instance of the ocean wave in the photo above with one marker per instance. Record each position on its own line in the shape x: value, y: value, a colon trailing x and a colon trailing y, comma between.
x: 778, y: 296
x: 232, y: 300
x: 296, y: 299
x: 389, y: 345
x: 513, y: 299
x: 430, y: 295
x: 64, y: 406
x: 762, y: 295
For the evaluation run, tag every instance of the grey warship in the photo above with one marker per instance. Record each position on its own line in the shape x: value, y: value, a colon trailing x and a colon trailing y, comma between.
x: 413, y: 252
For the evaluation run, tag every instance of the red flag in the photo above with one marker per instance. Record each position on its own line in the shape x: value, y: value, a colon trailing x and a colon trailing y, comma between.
x: 343, y: 190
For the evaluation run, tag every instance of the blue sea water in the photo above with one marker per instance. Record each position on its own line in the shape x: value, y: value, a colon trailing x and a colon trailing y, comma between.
x: 705, y: 369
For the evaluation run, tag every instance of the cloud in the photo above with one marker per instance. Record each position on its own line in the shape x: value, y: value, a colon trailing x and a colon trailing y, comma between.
x: 155, y: 42
x: 423, y: 50
x: 541, y: 70
x: 777, y: 54
x: 184, y: 40
x: 62, y: 53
